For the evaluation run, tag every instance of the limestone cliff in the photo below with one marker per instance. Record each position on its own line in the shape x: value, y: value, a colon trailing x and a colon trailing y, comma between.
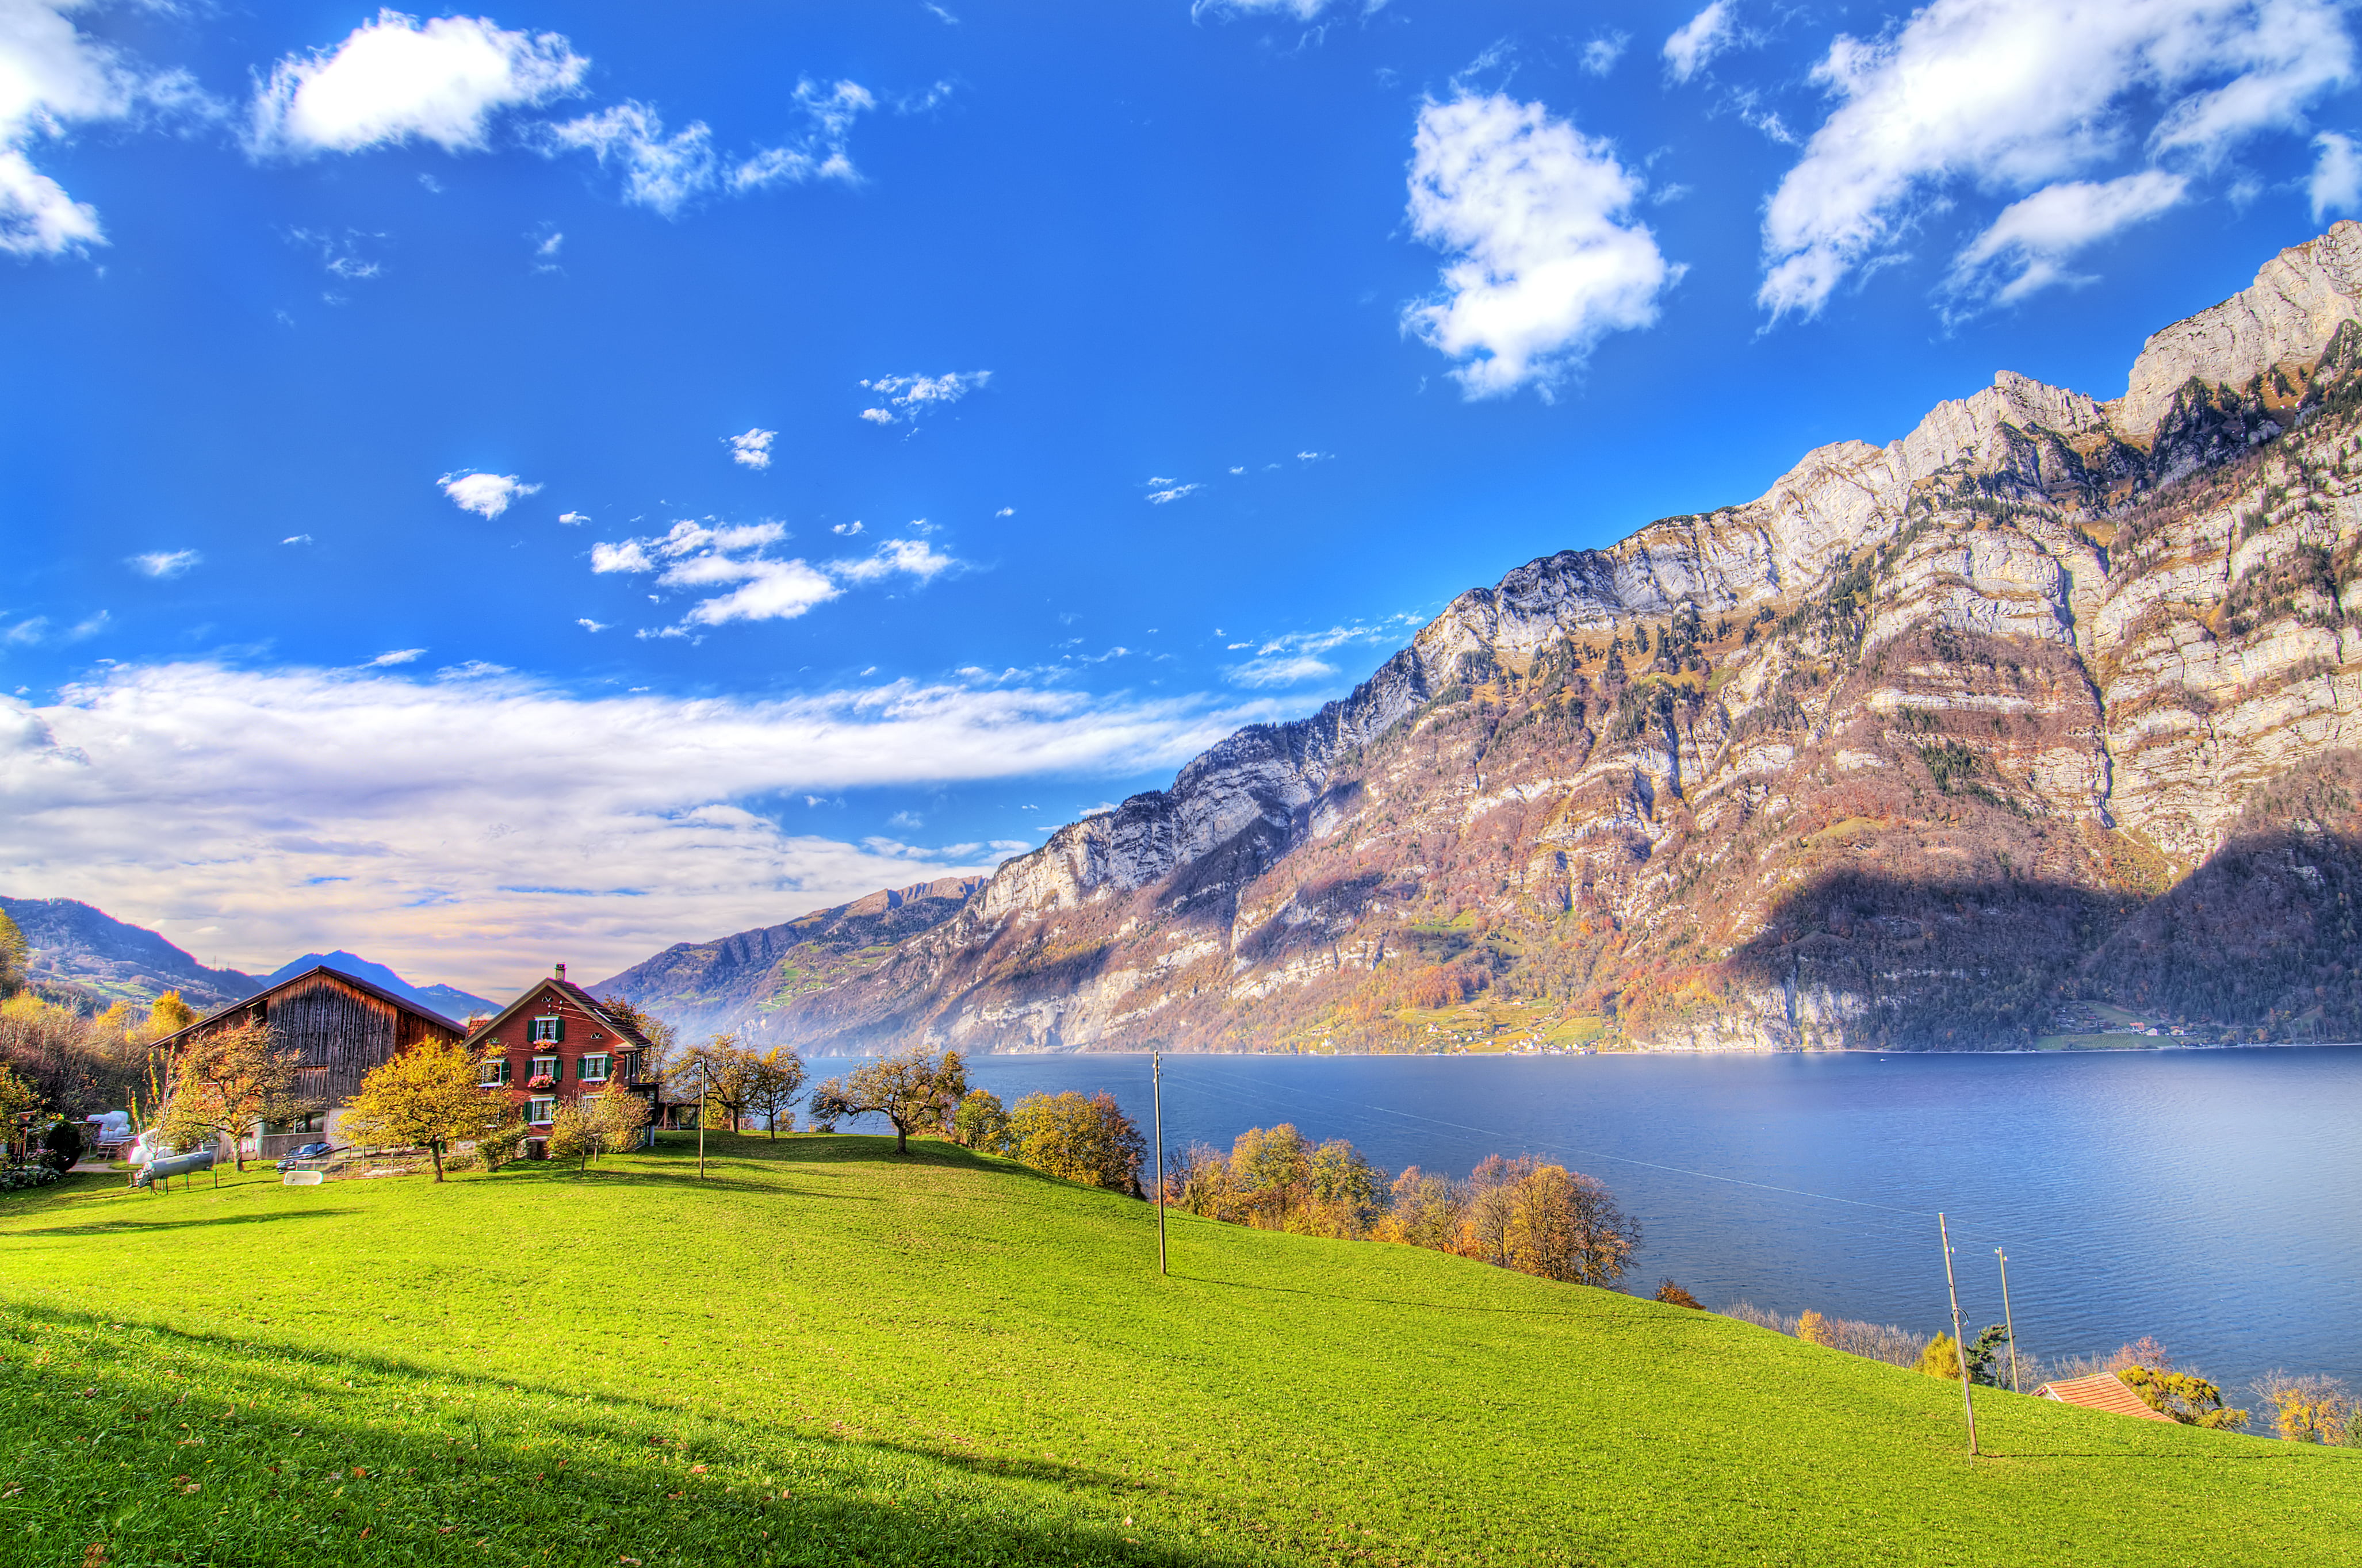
x: 1918, y: 747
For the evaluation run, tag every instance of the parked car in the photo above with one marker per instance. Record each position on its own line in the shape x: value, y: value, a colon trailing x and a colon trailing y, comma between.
x: 304, y: 1155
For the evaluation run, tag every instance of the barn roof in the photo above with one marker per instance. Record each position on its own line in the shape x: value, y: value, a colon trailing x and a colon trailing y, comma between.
x: 2103, y: 1391
x: 354, y: 982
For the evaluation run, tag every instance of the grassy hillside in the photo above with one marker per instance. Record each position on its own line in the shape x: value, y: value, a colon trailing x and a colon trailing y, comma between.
x: 824, y: 1354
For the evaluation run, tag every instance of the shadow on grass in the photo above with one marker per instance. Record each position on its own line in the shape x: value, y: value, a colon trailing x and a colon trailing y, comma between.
x: 140, y: 1222
x: 298, y: 1474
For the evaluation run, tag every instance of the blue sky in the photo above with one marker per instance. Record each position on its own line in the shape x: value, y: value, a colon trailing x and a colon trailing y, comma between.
x: 483, y: 489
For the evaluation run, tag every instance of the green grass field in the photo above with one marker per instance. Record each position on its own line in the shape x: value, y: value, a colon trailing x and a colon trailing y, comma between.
x: 824, y: 1354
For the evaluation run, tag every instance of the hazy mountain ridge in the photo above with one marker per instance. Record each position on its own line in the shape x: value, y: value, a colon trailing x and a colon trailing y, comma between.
x: 82, y: 953
x: 735, y: 984
x: 1912, y: 749
x: 449, y: 1001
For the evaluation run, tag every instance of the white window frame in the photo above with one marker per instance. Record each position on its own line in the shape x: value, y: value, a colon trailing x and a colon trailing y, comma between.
x: 543, y: 1031
x: 545, y: 1066
x: 541, y: 1110
x: 492, y: 1073
x: 582, y: 1065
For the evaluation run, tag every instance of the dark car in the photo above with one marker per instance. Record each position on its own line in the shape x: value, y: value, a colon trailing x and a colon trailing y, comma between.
x: 309, y: 1151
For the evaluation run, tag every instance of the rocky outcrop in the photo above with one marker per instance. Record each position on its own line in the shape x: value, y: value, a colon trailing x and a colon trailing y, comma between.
x: 1889, y: 755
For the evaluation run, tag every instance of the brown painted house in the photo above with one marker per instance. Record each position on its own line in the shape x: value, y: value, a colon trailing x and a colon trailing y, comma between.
x: 340, y: 1027
x: 554, y: 1044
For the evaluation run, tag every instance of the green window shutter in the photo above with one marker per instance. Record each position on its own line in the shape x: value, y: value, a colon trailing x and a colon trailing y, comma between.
x: 557, y: 1029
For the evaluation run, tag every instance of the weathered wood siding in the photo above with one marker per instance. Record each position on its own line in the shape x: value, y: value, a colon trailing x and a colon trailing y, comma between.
x: 339, y: 1031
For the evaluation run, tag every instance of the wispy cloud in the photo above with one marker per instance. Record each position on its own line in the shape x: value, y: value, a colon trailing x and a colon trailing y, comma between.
x: 398, y: 656
x: 758, y: 585
x: 1171, y: 493
x: 669, y: 173
x: 165, y: 563
x: 903, y: 399
x: 1696, y: 41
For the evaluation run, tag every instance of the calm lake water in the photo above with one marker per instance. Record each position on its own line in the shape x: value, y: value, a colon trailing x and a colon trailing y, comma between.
x: 2213, y: 1198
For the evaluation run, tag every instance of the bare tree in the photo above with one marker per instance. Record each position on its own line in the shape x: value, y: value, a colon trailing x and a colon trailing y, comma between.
x: 917, y: 1091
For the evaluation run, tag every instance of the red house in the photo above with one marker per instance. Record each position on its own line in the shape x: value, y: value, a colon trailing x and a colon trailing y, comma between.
x: 555, y: 1043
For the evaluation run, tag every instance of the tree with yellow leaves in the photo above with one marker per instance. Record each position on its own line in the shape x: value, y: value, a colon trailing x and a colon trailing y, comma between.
x: 426, y: 1097
x: 225, y: 1082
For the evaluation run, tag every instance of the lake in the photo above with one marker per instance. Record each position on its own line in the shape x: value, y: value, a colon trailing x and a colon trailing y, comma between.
x: 2213, y: 1198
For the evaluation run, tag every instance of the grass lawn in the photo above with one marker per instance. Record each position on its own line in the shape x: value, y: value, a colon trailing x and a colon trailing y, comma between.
x: 824, y: 1354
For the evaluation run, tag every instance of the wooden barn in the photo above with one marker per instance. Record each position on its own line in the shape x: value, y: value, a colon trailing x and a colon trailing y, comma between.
x: 340, y: 1027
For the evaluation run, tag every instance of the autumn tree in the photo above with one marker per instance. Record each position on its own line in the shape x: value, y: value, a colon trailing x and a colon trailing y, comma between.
x: 777, y: 1078
x: 168, y: 1014
x: 14, y: 952
x: 662, y: 1037
x: 607, y: 1123
x: 981, y: 1122
x: 428, y: 1095
x: 720, y: 1075
x: 1423, y: 1211
x: 225, y: 1082
x: 2184, y: 1395
x: 17, y: 1098
x: 1672, y: 1295
x: 1813, y: 1329
x: 917, y: 1091
x: 1271, y: 1174
x: 1078, y: 1137
x: 1941, y: 1358
x: 1347, y: 1193
x: 2311, y: 1408
x: 1567, y: 1226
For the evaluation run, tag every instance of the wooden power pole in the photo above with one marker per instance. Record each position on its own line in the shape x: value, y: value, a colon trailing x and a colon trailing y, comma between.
x: 1959, y: 1338
x: 2007, y: 1322
x: 703, y: 1074
x: 1156, y: 1100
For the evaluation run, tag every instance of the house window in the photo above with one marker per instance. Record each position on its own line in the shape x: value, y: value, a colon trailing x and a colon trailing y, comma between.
x: 629, y: 1067
x: 546, y: 1029
x: 593, y: 1068
x: 495, y: 1074
x: 540, y: 1111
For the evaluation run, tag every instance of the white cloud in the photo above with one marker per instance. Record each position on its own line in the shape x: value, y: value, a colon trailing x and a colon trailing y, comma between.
x: 667, y: 172
x: 1299, y: 10
x: 399, y: 656
x: 914, y: 557
x: 2337, y: 183
x: 51, y: 77
x: 296, y: 539
x: 1698, y: 40
x: 1295, y: 657
x: 761, y: 587
x: 2013, y: 95
x: 1528, y: 208
x: 847, y: 529
x: 910, y: 396
x: 2028, y: 247
x: 587, y: 624
x: 752, y: 449
x: 1006, y: 512
x: 1600, y: 55
x: 572, y: 519
x: 549, y: 246
x: 488, y: 495
x: 25, y: 633
x: 1315, y: 456
x: 600, y: 831
x: 1161, y: 497
x: 165, y: 563
x: 396, y: 78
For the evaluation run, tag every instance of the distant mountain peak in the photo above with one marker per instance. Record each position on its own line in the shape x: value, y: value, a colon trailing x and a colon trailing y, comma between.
x: 448, y: 1001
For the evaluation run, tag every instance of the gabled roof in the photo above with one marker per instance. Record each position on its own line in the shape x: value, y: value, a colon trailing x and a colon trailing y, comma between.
x: 263, y: 995
x: 572, y: 993
x: 2103, y: 1391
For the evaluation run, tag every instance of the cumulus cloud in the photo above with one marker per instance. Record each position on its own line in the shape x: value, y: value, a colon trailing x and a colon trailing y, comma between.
x: 758, y: 585
x: 667, y: 172
x: 396, y: 79
x: 573, y: 519
x: 1544, y: 265
x: 1698, y: 40
x: 165, y: 563
x: 2028, y: 247
x: 2337, y: 183
x: 303, y: 809
x: 908, y: 397
x: 752, y: 449
x: 2015, y: 95
x: 53, y: 76
x: 488, y: 495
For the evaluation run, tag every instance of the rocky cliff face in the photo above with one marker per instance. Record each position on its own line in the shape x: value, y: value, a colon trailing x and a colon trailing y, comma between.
x: 88, y: 957
x: 1924, y: 744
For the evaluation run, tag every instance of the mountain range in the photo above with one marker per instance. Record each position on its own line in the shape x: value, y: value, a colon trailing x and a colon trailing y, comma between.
x: 83, y: 955
x: 2043, y: 708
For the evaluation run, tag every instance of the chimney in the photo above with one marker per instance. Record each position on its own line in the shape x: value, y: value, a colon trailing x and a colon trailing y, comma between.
x: 561, y: 971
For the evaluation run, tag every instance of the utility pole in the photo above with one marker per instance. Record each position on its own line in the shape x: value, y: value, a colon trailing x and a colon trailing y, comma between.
x: 1156, y: 1092
x: 2007, y: 1322
x: 705, y: 1073
x: 1960, y: 1338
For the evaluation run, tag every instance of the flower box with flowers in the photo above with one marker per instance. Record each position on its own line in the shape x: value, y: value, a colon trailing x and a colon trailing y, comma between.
x: 541, y: 1081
